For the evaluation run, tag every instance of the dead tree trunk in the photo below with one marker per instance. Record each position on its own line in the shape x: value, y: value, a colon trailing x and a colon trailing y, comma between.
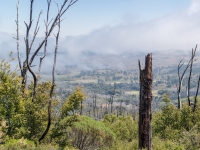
x: 190, y: 74
x: 195, y: 98
x: 94, y: 103
x: 145, y: 114
x: 112, y: 99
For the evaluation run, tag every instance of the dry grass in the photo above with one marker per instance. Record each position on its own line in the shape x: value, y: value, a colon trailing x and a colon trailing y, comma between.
x: 85, y: 81
x: 154, y: 92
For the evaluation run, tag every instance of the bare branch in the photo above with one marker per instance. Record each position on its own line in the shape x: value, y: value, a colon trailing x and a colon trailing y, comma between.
x: 50, y: 21
x: 190, y: 74
x: 72, y: 2
x: 54, y: 35
x: 53, y: 81
x: 27, y: 63
x: 57, y: 18
x: 112, y: 98
x: 180, y: 77
x: 17, y: 38
x: 28, y: 49
x: 36, y: 30
x: 139, y: 65
x: 46, y: 34
x: 195, y: 99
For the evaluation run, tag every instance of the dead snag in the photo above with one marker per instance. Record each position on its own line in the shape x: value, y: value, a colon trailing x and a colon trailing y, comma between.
x: 145, y: 114
x: 180, y: 80
x: 190, y: 74
x: 195, y: 98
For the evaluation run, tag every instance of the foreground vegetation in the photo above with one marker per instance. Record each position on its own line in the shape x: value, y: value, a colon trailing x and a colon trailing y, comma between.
x: 23, y: 120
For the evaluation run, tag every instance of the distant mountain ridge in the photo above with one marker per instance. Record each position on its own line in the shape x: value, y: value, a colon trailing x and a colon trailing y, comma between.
x: 128, y: 60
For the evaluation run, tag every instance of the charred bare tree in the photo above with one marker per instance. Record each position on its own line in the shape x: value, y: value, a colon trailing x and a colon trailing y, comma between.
x: 120, y: 108
x: 94, y: 103
x: 190, y: 74
x: 145, y: 113
x: 101, y: 110
x: 195, y: 98
x: 181, y: 77
x: 26, y: 67
x: 112, y: 99
x: 17, y: 38
x: 81, y: 111
x: 180, y: 80
x: 31, y: 55
x: 53, y: 79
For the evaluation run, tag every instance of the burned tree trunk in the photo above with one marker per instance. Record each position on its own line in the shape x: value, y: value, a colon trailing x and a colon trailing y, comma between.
x: 112, y: 99
x: 195, y: 98
x: 145, y: 114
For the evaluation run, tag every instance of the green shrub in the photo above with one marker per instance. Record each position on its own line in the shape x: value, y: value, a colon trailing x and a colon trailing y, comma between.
x: 89, y: 134
x: 191, y: 139
x: 125, y: 128
x: 166, y: 124
x: 159, y: 144
x: 14, y: 144
x: 123, y: 145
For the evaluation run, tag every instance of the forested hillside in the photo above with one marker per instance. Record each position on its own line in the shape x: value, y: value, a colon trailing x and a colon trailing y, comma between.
x: 93, y: 115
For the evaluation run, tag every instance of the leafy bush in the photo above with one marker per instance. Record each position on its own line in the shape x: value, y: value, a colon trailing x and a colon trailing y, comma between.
x: 13, y: 144
x: 73, y: 102
x: 60, y: 131
x: 191, y: 139
x: 23, y: 116
x: 11, y: 101
x: 171, y: 122
x: 166, y: 123
x: 89, y: 134
x: 124, y: 127
x: 19, y: 144
x: 159, y: 144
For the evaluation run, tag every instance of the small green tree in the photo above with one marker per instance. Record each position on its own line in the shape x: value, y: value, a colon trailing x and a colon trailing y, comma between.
x: 191, y: 139
x: 35, y: 114
x: 67, y: 117
x: 23, y: 117
x: 73, y: 102
x: 171, y: 123
x: 166, y: 98
x: 166, y: 123
x: 11, y: 101
x: 125, y: 128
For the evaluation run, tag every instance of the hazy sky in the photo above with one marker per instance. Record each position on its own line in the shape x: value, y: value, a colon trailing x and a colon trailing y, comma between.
x: 88, y: 15
x: 111, y: 26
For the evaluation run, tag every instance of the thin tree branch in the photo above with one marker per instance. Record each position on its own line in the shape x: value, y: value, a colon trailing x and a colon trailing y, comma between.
x: 28, y: 27
x: 36, y: 29
x: 112, y: 97
x: 61, y: 12
x: 53, y: 81
x: 17, y: 38
x: 46, y: 34
x: 190, y: 74
x: 195, y: 100
x: 180, y: 77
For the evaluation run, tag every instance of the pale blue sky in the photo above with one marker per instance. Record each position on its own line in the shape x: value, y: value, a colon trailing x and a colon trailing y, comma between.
x: 112, y: 26
x: 108, y: 27
x: 88, y: 15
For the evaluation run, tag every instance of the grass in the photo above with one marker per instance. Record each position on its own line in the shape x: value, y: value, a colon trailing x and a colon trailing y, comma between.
x: 85, y: 81
x: 184, y: 99
x: 154, y: 92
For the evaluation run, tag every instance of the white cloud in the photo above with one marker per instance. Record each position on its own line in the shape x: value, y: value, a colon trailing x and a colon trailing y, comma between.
x: 194, y: 7
x: 177, y: 31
